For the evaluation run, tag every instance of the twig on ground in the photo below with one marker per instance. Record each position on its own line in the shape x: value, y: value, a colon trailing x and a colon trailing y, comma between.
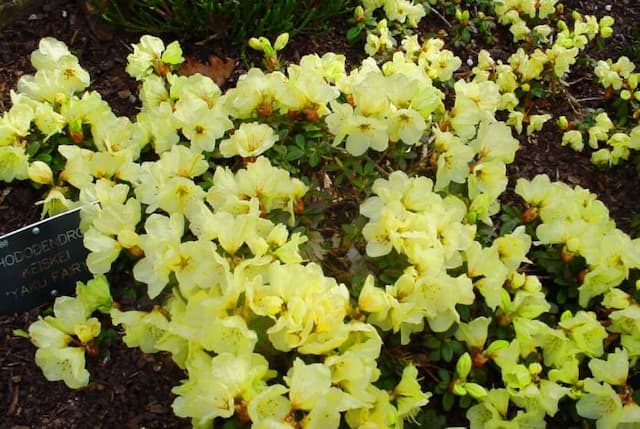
x: 441, y: 16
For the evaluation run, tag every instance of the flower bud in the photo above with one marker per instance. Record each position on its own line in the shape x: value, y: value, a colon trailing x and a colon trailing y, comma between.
x: 75, y: 130
x: 254, y: 43
x: 458, y: 389
x: 529, y: 215
x: 606, y: 32
x: 532, y: 284
x: 566, y: 255
x: 516, y: 280
x: 40, y: 172
x: 581, y: 275
x: 475, y: 390
x: 463, y: 367
x: 535, y: 368
x: 281, y: 41
x: 562, y: 122
x: 497, y: 346
x: 607, y: 21
x: 606, y: 24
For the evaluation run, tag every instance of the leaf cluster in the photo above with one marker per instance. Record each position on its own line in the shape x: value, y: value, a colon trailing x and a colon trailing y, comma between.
x: 231, y: 20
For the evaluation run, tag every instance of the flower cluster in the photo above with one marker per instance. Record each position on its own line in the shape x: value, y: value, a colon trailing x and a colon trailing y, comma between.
x: 528, y: 68
x: 401, y: 11
x: 610, y: 144
x: 408, y: 217
x: 515, y: 13
x: 393, y: 102
x: 575, y: 219
x: 58, y: 77
x: 619, y: 76
x: 63, y: 339
x: 231, y: 287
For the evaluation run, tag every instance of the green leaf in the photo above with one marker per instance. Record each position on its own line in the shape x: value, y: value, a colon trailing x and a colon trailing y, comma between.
x: 33, y: 148
x: 44, y: 157
x: 447, y: 352
x: 444, y: 375
x: 465, y: 401
x: 464, y: 311
x: 466, y: 34
x: 432, y: 342
x: 561, y: 297
x: 314, y: 159
x: 369, y: 168
x: 231, y: 424
x: 458, y: 389
x: 539, y: 91
x: 294, y: 152
x: 622, y: 111
x: 463, y: 366
x: 435, y: 355
x: 20, y: 333
x: 475, y: 390
x: 447, y: 401
x: 280, y: 150
x: 354, y: 32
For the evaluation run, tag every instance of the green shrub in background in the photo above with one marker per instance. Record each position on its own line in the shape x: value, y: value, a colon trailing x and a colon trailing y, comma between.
x: 232, y: 20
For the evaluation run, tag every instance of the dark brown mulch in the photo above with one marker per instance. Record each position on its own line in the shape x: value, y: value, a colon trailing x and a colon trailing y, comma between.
x: 130, y: 389
x: 127, y: 390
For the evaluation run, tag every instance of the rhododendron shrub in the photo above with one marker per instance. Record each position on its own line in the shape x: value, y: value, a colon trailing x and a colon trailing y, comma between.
x: 192, y: 198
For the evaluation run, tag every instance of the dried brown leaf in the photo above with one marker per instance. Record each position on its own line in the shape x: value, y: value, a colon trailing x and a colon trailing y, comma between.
x: 216, y: 68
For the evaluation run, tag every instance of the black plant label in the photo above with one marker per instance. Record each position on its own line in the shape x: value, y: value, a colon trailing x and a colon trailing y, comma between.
x: 41, y: 261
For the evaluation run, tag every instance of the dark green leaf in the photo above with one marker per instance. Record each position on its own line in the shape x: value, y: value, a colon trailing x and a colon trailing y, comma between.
x: 314, y: 159
x: 354, y: 32
x: 447, y: 352
x: 294, y: 152
x: 432, y: 342
x: 444, y: 375
x: 561, y: 297
x: 435, y: 355
x: 465, y: 401
x: 33, y: 148
x: 447, y: 401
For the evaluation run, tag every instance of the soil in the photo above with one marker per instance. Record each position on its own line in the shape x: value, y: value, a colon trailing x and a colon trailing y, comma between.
x: 131, y: 390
